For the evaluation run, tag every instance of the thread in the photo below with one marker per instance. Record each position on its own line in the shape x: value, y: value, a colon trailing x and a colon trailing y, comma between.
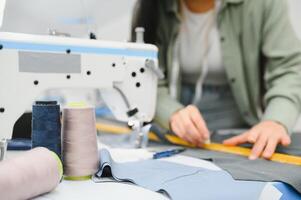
x: 33, y: 173
x: 80, y: 152
x: 46, y: 126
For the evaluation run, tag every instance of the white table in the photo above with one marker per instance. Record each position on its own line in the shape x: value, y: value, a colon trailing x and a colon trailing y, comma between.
x: 88, y: 190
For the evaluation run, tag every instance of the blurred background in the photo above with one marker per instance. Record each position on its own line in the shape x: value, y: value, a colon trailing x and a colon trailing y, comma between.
x: 109, y: 20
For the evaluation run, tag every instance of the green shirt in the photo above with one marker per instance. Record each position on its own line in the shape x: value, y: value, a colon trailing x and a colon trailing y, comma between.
x: 261, y: 54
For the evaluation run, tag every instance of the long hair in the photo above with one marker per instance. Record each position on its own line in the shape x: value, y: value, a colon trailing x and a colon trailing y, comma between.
x: 146, y: 16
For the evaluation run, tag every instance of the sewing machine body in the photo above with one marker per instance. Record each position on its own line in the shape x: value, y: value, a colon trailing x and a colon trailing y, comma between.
x: 31, y: 64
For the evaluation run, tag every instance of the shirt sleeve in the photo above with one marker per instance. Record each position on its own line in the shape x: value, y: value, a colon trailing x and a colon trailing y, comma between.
x: 283, y: 68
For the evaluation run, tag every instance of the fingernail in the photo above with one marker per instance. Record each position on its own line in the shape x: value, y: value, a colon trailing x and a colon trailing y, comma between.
x: 207, y: 141
x: 252, y: 157
x: 266, y: 155
x: 252, y: 140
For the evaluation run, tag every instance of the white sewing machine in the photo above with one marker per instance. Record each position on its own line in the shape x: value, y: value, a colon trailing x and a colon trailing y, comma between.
x: 31, y: 64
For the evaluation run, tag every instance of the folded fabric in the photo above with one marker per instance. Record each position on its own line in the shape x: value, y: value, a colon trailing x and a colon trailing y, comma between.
x: 178, y: 181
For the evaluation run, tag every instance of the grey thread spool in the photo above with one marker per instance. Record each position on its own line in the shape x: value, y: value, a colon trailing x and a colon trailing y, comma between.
x: 80, y: 152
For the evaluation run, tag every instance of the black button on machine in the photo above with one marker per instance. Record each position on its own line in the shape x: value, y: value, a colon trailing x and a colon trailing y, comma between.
x: 132, y: 112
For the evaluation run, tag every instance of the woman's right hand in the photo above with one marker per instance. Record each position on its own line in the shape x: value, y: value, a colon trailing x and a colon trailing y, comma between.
x: 189, y: 125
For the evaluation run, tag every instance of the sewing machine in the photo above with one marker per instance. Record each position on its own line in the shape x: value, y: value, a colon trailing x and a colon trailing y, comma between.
x: 31, y: 64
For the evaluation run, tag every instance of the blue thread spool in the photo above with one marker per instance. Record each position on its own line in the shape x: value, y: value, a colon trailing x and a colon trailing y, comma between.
x: 46, y: 126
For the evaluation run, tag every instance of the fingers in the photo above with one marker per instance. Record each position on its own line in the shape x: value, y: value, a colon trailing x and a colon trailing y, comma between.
x: 285, y: 141
x: 258, y: 147
x: 189, y: 125
x: 190, y: 129
x: 253, y: 135
x: 265, y: 136
x: 270, y: 148
x: 199, y: 122
x: 177, y: 128
x: 260, y: 142
x: 236, y: 140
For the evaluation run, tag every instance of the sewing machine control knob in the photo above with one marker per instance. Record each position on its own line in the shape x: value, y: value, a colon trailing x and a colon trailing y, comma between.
x: 150, y: 64
x: 140, y: 34
x: 132, y: 112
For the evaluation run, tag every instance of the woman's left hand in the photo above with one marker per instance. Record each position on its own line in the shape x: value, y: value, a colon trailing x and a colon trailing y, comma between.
x: 265, y: 136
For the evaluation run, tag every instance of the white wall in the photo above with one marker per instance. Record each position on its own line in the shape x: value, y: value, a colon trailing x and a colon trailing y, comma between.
x: 109, y: 19
x: 295, y: 11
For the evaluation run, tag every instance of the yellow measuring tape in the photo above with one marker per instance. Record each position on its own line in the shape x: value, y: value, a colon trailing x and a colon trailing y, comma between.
x: 277, y: 157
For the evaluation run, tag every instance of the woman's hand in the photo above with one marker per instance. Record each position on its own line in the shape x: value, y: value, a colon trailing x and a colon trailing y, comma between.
x: 189, y: 125
x: 265, y: 136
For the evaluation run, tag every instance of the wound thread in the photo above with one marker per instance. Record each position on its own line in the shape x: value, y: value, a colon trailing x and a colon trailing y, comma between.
x: 33, y: 173
x: 80, y: 152
x: 46, y: 126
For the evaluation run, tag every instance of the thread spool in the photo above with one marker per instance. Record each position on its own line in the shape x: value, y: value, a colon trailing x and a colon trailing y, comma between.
x: 33, y: 173
x: 80, y: 152
x: 46, y: 126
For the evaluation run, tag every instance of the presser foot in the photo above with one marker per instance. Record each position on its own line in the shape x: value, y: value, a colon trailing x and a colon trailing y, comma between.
x: 139, y: 136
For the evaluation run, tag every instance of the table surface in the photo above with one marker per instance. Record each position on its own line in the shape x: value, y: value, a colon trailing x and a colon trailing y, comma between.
x: 112, y: 190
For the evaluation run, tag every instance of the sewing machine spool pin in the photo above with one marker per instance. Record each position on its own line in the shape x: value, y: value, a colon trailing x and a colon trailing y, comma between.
x: 139, y: 34
x: 3, y: 147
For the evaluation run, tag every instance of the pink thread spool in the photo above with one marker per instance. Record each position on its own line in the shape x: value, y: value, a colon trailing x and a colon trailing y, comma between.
x: 35, y: 172
x: 80, y: 152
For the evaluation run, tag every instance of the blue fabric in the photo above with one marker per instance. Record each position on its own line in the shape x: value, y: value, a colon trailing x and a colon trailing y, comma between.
x: 46, y: 126
x: 213, y: 185
x: 103, y: 112
x: 179, y: 181
x: 288, y: 192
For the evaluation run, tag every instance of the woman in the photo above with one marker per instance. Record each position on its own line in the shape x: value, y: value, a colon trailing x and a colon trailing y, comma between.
x: 229, y: 64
